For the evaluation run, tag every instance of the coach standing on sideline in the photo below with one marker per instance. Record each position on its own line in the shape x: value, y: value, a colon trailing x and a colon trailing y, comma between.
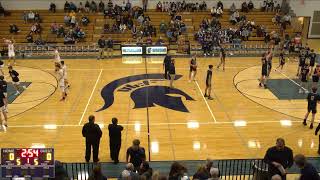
x: 115, y: 139
x: 102, y: 46
x: 92, y: 133
x: 166, y: 64
x: 279, y: 158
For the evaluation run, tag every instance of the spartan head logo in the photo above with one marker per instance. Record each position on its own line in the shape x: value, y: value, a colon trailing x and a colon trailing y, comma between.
x: 145, y: 93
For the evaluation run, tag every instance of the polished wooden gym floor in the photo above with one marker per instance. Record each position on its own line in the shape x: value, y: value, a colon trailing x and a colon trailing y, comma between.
x: 242, y: 120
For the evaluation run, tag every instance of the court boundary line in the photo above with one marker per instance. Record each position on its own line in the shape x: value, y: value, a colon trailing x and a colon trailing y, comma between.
x: 91, y: 95
x: 151, y: 124
x: 212, y: 115
x: 294, y: 82
x: 110, y: 69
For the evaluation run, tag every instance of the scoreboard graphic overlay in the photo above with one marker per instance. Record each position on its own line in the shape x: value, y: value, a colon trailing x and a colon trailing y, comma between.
x: 27, y: 162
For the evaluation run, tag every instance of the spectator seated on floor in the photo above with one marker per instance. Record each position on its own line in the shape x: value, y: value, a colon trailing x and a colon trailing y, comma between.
x: 66, y: 6
x: 101, y: 6
x: 52, y: 7
x: 232, y: 8
x: 159, y: 7
x: 250, y: 5
x: 31, y: 16
x: 29, y: 38
x: 14, y: 29
x: 244, y: 7
x: 54, y: 28
x: 163, y: 27
x: 93, y: 6
x: 67, y: 19
x: 61, y: 31
x: 85, y: 20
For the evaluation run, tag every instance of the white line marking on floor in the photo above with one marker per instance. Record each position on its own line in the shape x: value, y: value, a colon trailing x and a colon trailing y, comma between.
x: 291, y: 80
x: 94, y: 88
x: 213, y: 117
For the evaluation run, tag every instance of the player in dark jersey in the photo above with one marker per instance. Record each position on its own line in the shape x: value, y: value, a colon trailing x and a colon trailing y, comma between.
x: 3, y: 89
x: 313, y: 98
x: 193, y: 68
x: 316, y: 75
x: 269, y: 57
x: 222, y: 58
x: 302, y: 61
x: 207, y: 92
x: 166, y: 64
x: 15, y: 80
x: 172, y: 72
x: 304, y: 78
x: 264, y: 71
x: 4, y: 121
x: 282, y: 60
x: 312, y: 56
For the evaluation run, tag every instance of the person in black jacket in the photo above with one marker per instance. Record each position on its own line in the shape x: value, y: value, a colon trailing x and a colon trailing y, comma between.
x: 172, y: 72
x: 115, y: 139
x: 136, y: 154
x: 308, y: 171
x: 166, y: 64
x: 279, y: 158
x: 92, y: 133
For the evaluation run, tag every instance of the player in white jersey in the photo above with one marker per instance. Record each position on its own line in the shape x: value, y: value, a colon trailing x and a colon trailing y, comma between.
x: 60, y: 77
x: 11, y: 53
x: 64, y: 68
x: 57, y: 59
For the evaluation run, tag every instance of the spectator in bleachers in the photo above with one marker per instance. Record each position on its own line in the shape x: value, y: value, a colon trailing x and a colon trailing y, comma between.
x: 61, y: 31
x: 80, y: 8
x: 81, y: 35
x: 163, y: 27
x: 213, y: 12
x: 66, y: 6
x: 14, y: 29
x: 37, y: 17
x: 134, y: 31
x: 128, y: 6
x: 307, y: 170
x: 92, y: 133
x: 54, y: 27
x: 97, y: 174
x: 73, y: 7
x: 93, y: 7
x: 2, y: 11
x: 232, y: 8
x: 106, y: 28
x: 144, y: 5
x: 135, y: 154
x: 31, y: 15
x: 160, y: 41
x: 277, y: 8
x: 214, y: 173
x: 149, y: 40
x: 39, y: 41
x: 220, y: 4
x: 244, y: 7
x: 264, y: 5
x: 110, y: 4
x: 36, y: 28
x: 250, y: 5
x: 52, y: 7
x: 159, y: 7
x: 85, y: 20
x: 287, y: 19
x: 201, y: 174
x: 25, y: 17
x: 203, y: 6
x: 279, y: 158
x: 234, y: 18
x: 245, y: 33
x: 122, y: 28
x: 145, y: 171
x: 101, y: 6
x: 73, y: 20
x: 177, y: 171
x: 29, y: 38
x: 87, y: 6
x: 67, y: 19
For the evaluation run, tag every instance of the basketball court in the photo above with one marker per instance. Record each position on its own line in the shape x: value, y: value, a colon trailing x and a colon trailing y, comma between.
x: 242, y: 120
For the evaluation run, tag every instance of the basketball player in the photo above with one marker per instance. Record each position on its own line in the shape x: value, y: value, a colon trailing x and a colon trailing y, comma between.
x: 15, y: 80
x: 264, y: 71
x: 11, y: 53
x: 282, y: 60
x: 302, y: 61
x: 222, y: 58
x: 313, y: 98
x: 57, y: 59
x: 166, y: 64
x: 269, y: 61
x: 312, y: 56
x: 207, y: 92
x: 64, y: 68
x: 304, y: 78
x: 193, y: 68
x: 4, y: 121
x: 172, y: 72
x: 3, y: 89
x: 315, y: 76
x: 60, y: 78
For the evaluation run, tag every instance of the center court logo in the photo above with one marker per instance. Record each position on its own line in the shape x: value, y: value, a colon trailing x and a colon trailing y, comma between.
x: 145, y: 92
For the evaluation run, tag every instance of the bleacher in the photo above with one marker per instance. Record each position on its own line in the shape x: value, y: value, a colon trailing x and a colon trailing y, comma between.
x: 95, y: 27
